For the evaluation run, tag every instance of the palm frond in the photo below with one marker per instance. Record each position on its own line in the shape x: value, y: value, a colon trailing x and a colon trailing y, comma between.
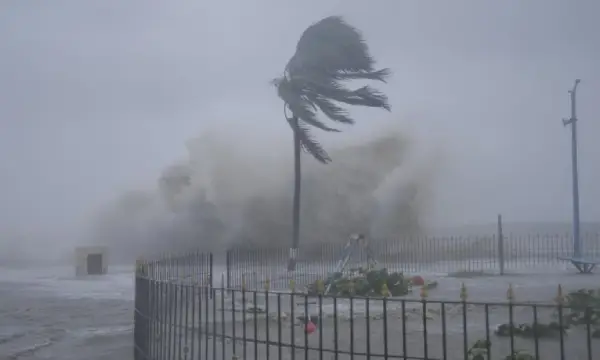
x: 302, y: 109
x: 320, y: 75
x: 328, y: 53
x: 377, y: 75
x: 308, y: 143
x: 364, y: 96
x: 301, y: 106
x: 330, y: 109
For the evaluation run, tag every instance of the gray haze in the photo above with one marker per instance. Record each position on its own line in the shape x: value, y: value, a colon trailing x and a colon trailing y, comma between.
x: 98, y: 98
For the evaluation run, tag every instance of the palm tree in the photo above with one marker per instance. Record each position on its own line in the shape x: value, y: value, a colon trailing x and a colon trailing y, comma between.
x: 328, y: 53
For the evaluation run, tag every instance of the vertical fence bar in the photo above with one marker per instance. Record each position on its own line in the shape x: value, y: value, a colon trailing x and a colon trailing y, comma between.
x: 500, y: 245
x: 223, y: 332
x: 187, y: 341
x: 193, y: 321
x: 206, y: 315
x: 233, y: 326
x: 351, y: 326
x: 424, y: 319
x: 164, y: 316
x: 463, y: 298
x: 228, y: 268
x: 560, y: 300
x: 335, y: 329
x: 588, y: 328
x: 320, y: 300
x: 444, y: 338
x: 179, y: 325
x: 404, y: 345
x: 141, y: 314
x: 368, y: 325
x: 488, y: 342
x: 511, y: 322
x: 152, y: 320
x: 385, y: 328
x: 536, y: 337
x: 168, y: 319
x: 201, y: 329
x: 292, y: 317
x: 210, y: 272
x: 305, y: 326
x: 279, y: 340
x: 267, y: 327
x: 213, y: 296
x: 244, y: 345
x: 255, y: 324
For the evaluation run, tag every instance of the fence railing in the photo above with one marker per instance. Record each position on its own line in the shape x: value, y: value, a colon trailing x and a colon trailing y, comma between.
x: 420, y: 254
x: 184, y: 320
x: 194, y: 267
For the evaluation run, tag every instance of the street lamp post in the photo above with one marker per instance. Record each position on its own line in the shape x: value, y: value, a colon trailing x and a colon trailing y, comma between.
x: 573, y: 122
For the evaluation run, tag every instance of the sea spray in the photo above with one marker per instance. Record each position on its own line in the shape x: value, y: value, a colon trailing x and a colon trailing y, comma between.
x: 224, y: 194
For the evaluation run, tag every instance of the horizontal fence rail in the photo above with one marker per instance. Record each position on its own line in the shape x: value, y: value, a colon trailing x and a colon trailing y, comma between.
x: 420, y: 254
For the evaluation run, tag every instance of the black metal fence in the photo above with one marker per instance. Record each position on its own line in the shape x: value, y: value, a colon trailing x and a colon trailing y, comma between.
x: 180, y: 314
x: 490, y: 254
x: 184, y: 320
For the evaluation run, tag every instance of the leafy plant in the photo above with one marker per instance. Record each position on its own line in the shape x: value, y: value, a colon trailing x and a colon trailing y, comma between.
x: 582, y: 307
x: 365, y: 282
x: 479, y: 350
x: 538, y: 330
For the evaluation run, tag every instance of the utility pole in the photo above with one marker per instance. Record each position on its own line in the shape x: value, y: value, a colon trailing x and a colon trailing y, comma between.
x: 573, y: 122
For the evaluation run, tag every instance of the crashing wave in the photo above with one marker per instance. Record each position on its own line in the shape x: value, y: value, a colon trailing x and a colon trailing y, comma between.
x: 223, y: 194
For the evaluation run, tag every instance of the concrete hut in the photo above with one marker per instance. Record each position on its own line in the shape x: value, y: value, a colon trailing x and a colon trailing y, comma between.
x: 91, y: 260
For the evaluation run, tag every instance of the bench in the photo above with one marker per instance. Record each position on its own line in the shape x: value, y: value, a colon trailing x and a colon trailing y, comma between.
x: 585, y: 266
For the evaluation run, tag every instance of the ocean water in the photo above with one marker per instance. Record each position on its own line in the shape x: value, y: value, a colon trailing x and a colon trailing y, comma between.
x: 49, y: 314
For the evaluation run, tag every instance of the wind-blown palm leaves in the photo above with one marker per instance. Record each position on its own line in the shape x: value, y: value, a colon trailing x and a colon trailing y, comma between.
x: 328, y: 53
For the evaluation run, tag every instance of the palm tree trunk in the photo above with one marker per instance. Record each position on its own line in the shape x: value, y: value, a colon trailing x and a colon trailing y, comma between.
x: 296, y: 206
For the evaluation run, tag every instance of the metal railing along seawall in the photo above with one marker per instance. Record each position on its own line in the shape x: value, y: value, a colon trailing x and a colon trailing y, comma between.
x: 188, y: 307
x: 489, y: 254
x: 184, y: 320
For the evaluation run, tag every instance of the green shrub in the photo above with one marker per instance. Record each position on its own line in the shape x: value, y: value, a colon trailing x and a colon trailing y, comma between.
x: 583, y: 307
x: 364, y: 282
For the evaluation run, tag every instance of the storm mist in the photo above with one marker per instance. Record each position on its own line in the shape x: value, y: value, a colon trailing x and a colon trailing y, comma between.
x: 225, y: 194
x: 100, y: 101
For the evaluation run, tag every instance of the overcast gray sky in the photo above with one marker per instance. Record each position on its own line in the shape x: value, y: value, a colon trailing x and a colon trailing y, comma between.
x: 96, y: 97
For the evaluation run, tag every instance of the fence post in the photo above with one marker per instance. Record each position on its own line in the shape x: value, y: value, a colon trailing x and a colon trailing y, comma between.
x: 228, y: 267
x: 141, y: 329
x: 210, y: 272
x: 500, y: 245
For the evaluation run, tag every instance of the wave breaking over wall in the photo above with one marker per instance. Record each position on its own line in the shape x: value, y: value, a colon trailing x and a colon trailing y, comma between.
x: 223, y: 195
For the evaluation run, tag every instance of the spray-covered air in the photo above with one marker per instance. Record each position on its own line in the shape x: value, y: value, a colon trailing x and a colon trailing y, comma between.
x: 223, y: 195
